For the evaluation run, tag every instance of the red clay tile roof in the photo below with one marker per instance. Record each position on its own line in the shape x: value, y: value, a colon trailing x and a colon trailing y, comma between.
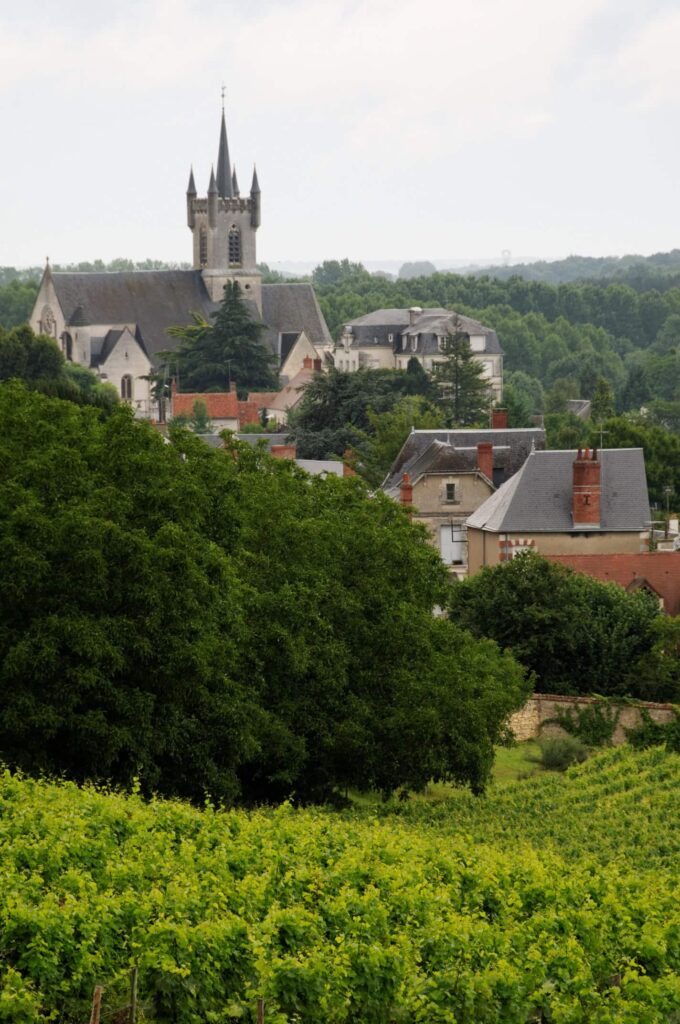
x: 221, y: 405
x: 659, y: 570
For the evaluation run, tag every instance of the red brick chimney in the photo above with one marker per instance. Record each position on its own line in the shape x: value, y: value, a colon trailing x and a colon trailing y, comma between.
x: 283, y: 451
x: 586, y: 489
x: 406, y: 490
x: 499, y: 419
x: 308, y: 363
x: 347, y: 467
x: 485, y: 459
x: 317, y: 365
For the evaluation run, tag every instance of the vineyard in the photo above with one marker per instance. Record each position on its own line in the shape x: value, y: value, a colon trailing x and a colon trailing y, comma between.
x: 554, y: 899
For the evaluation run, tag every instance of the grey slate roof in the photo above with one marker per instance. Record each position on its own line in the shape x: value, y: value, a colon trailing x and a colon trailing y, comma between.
x: 510, y: 450
x: 537, y: 499
x: 154, y: 300
x: 375, y: 328
x: 290, y: 309
x: 445, y: 459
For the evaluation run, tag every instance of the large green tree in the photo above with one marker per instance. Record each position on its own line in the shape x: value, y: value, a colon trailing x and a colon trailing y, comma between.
x: 37, y: 360
x: 336, y: 405
x: 212, y: 356
x: 576, y: 634
x: 217, y: 620
x: 376, y: 450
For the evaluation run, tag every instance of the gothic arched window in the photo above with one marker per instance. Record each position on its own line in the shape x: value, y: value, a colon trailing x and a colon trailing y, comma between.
x: 203, y: 246
x: 234, y: 245
x: 126, y: 388
x: 67, y: 346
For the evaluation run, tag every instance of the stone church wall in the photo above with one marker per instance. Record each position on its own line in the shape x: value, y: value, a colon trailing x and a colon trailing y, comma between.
x: 534, y: 719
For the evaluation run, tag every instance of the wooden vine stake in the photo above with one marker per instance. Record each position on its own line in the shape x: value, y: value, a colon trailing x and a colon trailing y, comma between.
x: 133, y: 995
x: 260, y: 1011
x: 96, y: 1004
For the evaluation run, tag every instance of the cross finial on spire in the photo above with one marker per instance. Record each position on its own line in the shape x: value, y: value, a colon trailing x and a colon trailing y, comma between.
x: 224, y: 92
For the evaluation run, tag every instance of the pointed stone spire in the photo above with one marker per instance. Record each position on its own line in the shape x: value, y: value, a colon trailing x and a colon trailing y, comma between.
x: 223, y: 168
x: 212, y: 187
x: 191, y: 187
x: 255, y: 214
x: 234, y: 183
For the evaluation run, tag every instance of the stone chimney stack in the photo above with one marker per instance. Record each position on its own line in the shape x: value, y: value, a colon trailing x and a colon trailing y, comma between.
x: 406, y: 490
x: 283, y: 451
x: 413, y: 314
x: 586, y: 490
x: 499, y: 419
x: 485, y: 459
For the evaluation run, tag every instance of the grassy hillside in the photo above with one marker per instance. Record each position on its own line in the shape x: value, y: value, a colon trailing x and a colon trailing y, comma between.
x: 552, y: 899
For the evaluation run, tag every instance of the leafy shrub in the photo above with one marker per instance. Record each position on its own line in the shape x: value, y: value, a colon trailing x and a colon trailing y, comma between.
x: 560, y: 752
x: 593, y: 724
x: 653, y: 734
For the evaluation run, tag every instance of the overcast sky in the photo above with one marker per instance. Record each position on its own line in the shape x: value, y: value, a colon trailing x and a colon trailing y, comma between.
x: 382, y: 130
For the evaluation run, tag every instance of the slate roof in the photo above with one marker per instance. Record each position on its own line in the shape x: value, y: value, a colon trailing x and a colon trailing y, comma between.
x: 154, y: 300
x: 445, y: 459
x: 537, y: 499
x: 375, y: 328
x: 291, y: 309
x: 657, y: 570
x: 511, y: 448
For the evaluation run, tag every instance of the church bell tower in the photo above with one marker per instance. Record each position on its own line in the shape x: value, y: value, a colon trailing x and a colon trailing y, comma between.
x: 223, y: 225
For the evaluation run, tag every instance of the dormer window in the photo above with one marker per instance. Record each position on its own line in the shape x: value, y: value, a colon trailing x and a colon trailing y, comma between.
x: 390, y: 338
x: 442, y: 342
x: 414, y: 342
x: 404, y: 342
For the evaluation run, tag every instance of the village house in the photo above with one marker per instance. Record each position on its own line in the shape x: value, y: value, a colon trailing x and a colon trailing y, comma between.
x: 564, y: 503
x: 444, y: 475
x: 388, y: 338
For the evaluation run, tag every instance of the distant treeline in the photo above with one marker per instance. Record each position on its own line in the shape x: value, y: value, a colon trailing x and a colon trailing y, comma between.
x: 661, y: 270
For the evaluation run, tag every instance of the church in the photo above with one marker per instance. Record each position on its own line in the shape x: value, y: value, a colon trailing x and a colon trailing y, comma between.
x: 116, y: 323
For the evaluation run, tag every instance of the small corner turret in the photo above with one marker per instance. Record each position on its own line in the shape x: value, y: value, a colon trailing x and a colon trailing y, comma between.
x: 223, y: 225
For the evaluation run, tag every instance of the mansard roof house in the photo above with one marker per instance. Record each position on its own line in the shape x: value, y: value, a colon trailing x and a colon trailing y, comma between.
x: 116, y: 323
x: 444, y: 475
x: 389, y: 338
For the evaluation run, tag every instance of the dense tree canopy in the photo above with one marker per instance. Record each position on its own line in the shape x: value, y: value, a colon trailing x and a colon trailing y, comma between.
x: 336, y: 408
x: 217, y: 620
x: 576, y: 634
x: 38, y: 361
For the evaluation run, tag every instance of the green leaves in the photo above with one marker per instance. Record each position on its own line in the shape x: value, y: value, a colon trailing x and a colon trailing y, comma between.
x: 212, y: 356
x: 218, y: 621
x: 555, y: 896
x: 576, y: 634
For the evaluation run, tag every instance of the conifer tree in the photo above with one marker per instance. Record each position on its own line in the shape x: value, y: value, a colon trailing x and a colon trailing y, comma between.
x: 212, y: 356
x: 465, y: 394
